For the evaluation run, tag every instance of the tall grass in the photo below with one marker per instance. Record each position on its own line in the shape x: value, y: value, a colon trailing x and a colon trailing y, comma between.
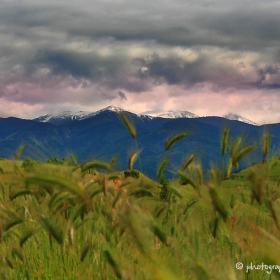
x: 64, y: 222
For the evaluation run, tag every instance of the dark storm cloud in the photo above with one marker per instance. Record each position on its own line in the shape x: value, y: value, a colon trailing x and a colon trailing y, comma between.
x: 66, y: 63
x: 111, y: 49
x: 174, y: 71
x: 161, y: 70
x: 252, y: 28
x: 112, y: 72
x: 239, y: 25
x: 170, y: 70
x: 269, y: 72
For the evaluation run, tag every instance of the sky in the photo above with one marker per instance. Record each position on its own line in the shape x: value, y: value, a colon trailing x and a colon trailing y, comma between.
x: 209, y: 57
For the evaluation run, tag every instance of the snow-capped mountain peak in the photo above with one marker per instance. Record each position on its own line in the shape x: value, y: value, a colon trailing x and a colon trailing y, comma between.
x: 113, y: 108
x: 236, y: 117
x: 174, y: 114
x: 65, y: 115
x: 110, y: 108
x: 68, y: 116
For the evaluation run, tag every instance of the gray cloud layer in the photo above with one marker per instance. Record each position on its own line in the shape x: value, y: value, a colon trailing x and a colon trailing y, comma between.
x: 72, y: 51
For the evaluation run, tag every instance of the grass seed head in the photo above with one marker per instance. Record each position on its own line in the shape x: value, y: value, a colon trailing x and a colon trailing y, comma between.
x: 235, y: 146
x: 265, y: 145
x: 132, y: 159
x: 93, y: 165
x: 73, y: 160
x: 129, y: 126
x: 173, y: 139
x: 161, y: 168
x: 239, y: 155
x: 224, y: 141
x: 187, y: 162
x: 217, y: 203
x: 19, y: 151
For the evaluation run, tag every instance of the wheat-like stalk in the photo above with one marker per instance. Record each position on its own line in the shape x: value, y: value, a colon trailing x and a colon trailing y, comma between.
x: 187, y: 162
x: 131, y: 160
x: 129, y: 126
x: 265, y: 145
x: 161, y: 168
x: 173, y: 139
x: 224, y: 141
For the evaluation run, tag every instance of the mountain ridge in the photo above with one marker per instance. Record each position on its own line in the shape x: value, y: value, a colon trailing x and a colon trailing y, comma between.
x: 65, y: 117
x: 236, y: 117
x: 104, y: 136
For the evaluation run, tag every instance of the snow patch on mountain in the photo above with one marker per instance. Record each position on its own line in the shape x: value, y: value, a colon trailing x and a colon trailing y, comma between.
x: 68, y: 116
x: 65, y: 115
x: 72, y: 115
x: 44, y: 118
x: 236, y: 117
x: 109, y: 108
x: 80, y: 115
x: 141, y: 116
x: 175, y: 114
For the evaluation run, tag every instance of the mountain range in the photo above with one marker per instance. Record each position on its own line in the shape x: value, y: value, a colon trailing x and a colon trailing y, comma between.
x: 102, y: 135
x: 67, y: 117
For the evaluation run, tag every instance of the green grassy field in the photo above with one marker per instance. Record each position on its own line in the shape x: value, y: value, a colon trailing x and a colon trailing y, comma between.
x: 88, y: 222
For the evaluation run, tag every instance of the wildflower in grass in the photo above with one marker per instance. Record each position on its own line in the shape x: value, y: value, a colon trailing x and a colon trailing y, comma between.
x: 234, y: 219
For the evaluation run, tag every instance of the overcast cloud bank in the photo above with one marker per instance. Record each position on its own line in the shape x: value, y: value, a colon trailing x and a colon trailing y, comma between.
x: 206, y: 57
